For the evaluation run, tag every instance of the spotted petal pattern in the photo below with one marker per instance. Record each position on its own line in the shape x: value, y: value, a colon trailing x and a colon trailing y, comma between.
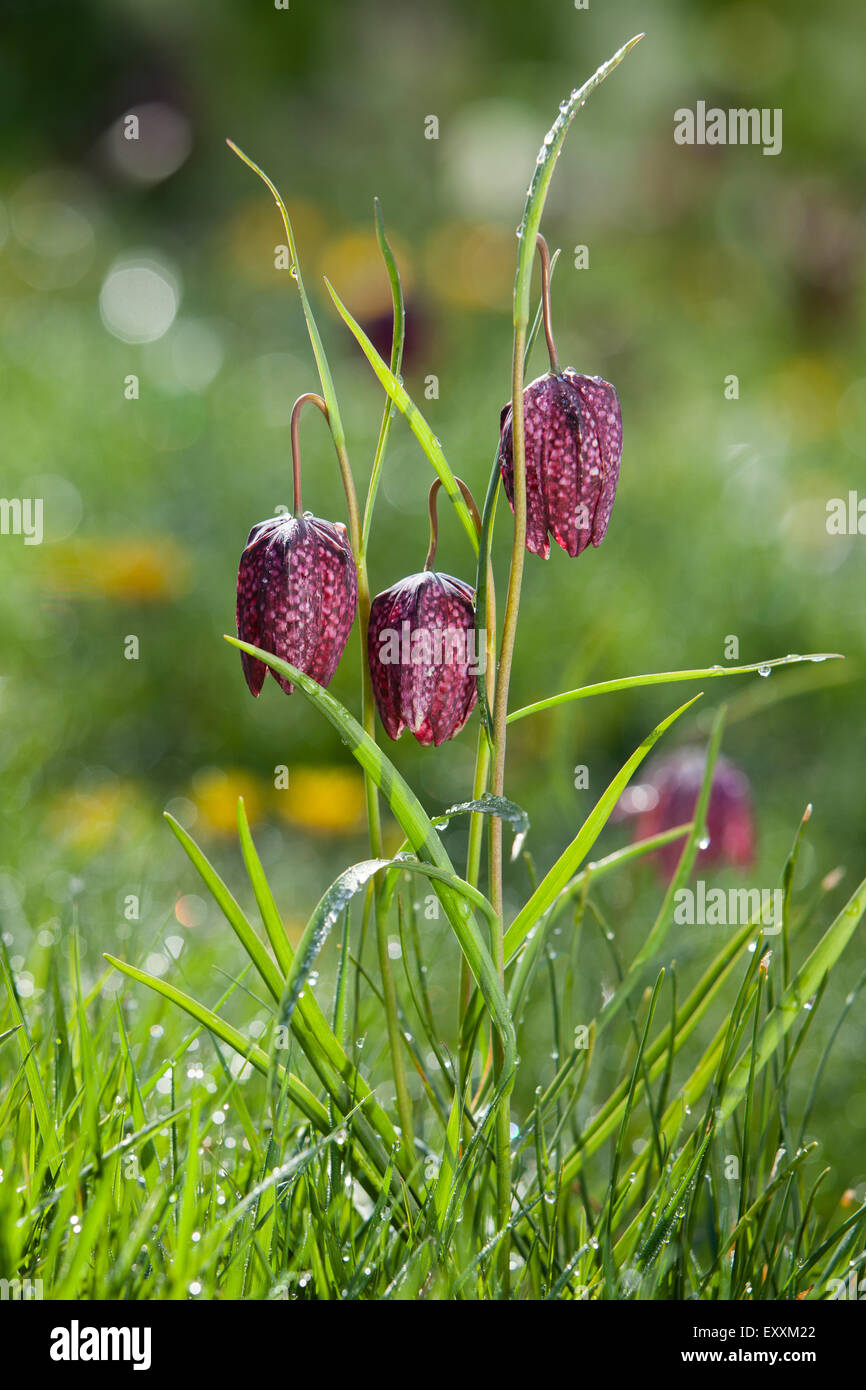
x: 297, y: 596
x: 573, y: 429
x: 420, y: 651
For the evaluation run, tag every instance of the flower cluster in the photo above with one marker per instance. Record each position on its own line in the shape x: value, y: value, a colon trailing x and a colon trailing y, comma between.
x: 297, y: 582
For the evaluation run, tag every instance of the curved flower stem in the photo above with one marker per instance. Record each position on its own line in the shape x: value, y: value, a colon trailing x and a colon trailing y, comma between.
x: 434, y: 518
x: 544, y: 254
x: 309, y: 397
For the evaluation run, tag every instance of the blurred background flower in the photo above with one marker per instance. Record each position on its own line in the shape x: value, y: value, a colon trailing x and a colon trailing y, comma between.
x: 666, y: 795
x: 326, y: 801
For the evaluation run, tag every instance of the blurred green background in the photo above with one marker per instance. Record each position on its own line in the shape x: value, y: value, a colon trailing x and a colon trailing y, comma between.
x: 155, y: 258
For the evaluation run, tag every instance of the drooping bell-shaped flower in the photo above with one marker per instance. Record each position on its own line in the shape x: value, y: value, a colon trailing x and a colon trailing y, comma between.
x: 573, y: 433
x: 297, y: 589
x: 297, y: 596
x: 572, y: 448
x: 423, y: 662
x: 421, y: 647
x: 667, y: 795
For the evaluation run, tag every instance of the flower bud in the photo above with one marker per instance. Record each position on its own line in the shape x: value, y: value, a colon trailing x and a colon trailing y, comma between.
x: 297, y: 595
x: 668, y: 796
x: 573, y: 431
x: 421, y: 649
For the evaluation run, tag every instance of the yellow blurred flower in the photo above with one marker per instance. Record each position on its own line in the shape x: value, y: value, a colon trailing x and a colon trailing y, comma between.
x: 256, y: 229
x: 472, y: 264
x: 130, y: 571
x: 806, y: 391
x: 215, y: 791
x: 86, y: 820
x: 323, y: 800
x: 353, y: 264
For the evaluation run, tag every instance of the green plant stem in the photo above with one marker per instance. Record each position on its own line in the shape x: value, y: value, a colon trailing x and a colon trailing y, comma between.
x: 482, y: 773
x: 398, y: 336
x: 374, y: 826
x: 372, y: 903
x: 473, y: 866
x: 358, y: 543
x: 372, y: 906
x: 535, y: 199
x: 476, y: 819
x: 500, y: 714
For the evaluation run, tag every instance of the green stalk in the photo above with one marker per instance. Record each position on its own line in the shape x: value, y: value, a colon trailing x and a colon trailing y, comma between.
x: 358, y: 544
x: 528, y: 234
x: 397, y: 339
x: 372, y: 903
x: 473, y: 866
x: 500, y: 713
x: 485, y: 596
x: 374, y: 826
x: 374, y: 818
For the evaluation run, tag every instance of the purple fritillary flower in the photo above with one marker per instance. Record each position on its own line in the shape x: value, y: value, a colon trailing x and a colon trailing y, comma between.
x: 573, y: 428
x: 420, y: 647
x: 668, y: 795
x: 297, y: 596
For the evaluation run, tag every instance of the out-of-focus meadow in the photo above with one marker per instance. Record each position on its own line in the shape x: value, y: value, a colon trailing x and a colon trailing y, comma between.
x: 155, y: 259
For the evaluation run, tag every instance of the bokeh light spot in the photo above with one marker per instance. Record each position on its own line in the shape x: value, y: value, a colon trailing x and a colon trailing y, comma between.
x: 139, y: 300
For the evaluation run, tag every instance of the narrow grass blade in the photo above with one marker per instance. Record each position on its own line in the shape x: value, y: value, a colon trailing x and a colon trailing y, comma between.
x: 398, y: 337
x: 700, y: 673
x: 407, y: 407
x: 271, y: 919
x: 251, y: 1052
x: 231, y: 910
x: 419, y: 831
x: 149, y: 1160
x: 330, y: 1061
x: 448, y: 1163
x: 350, y: 882
x: 636, y: 1072
x: 795, y: 997
x: 35, y: 1084
x: 661, y: 1232
x: 607, y: 865
x: 328, y: 391
x: 332, y: 904
x: 547, y: 157
x: 490, y: 805
x: 672, y: 1038
x: 735, y: 1082
x: 556, y: 880
x: 662, y: 923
